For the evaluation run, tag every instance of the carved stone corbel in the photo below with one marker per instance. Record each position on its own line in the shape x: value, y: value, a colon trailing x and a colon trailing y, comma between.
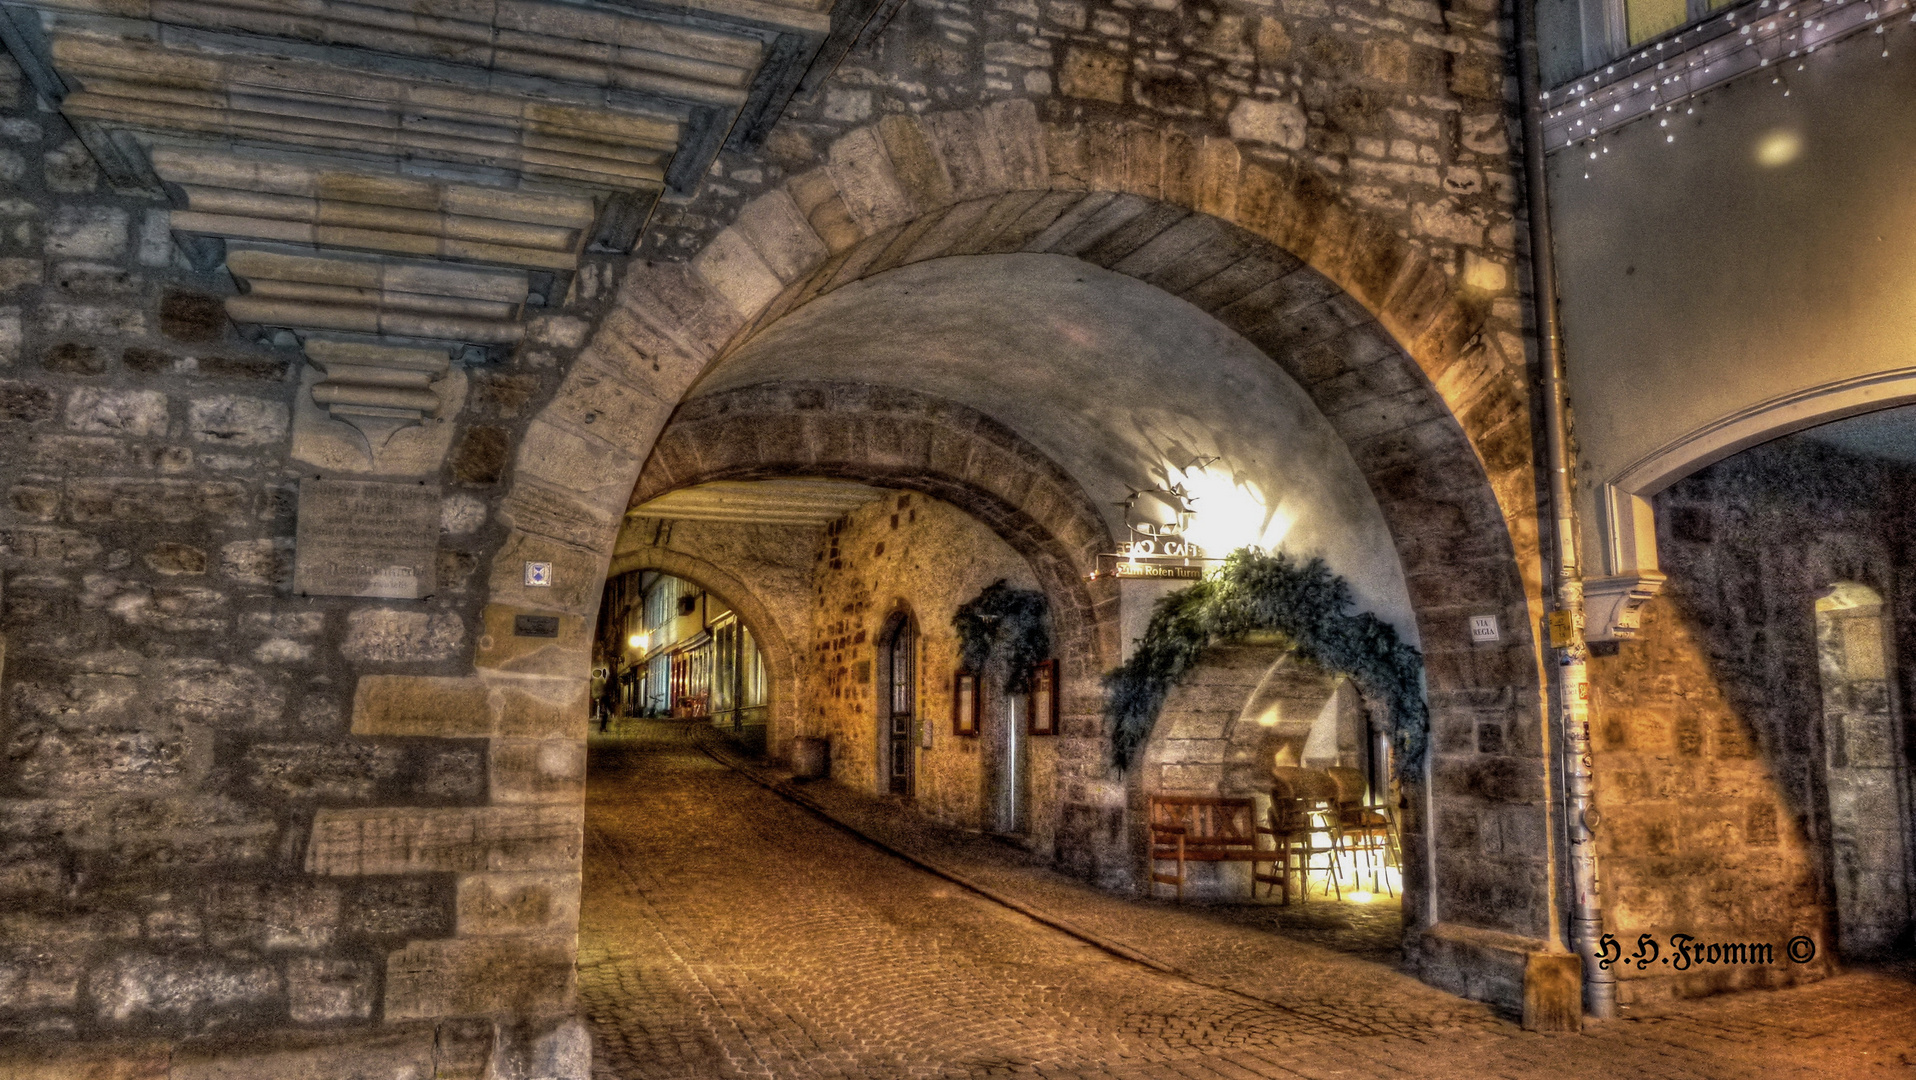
x: 377, y: 389
x: 1613, y: 606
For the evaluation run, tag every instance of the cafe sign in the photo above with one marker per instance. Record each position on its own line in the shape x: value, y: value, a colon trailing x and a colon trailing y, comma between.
x: 1117, y: 566
x: 1156, y: 519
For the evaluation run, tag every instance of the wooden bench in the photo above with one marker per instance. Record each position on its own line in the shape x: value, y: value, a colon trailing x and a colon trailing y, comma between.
x: 1206, y: 828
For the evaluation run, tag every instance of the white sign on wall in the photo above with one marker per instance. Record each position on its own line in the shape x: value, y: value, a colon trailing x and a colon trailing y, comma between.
x: 1483, y: 630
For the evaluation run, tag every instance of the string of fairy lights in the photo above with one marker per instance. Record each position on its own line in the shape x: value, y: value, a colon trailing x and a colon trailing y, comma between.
x: 1655, y: 80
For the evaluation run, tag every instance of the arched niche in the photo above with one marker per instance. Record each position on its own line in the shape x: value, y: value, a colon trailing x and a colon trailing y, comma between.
x: 1245, y: 706
x: 1865, y: 773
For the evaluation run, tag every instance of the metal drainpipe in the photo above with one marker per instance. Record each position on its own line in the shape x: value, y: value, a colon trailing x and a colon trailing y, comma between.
x: 1573, y: 681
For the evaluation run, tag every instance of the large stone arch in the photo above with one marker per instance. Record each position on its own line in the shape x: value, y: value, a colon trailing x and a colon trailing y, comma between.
x: 911, y: 441
x: 1247, y: 239
x: 1395, y: 347
x: 781, y: 661
x: 1326, y: 289
x: 889, y: 437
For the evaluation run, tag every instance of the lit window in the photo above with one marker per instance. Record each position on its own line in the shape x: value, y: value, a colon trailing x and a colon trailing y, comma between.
x: 1648, y: 19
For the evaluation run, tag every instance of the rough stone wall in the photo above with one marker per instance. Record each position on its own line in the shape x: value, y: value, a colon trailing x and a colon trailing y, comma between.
x: 1398, y: 105
x: 426, y: 788
x: 189, y: 841
x: 915, y: 553
x: 1213, y: 737
x: 1709, y: 737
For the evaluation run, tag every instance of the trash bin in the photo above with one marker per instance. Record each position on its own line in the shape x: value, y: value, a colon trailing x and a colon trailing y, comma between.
x: 811, y: 757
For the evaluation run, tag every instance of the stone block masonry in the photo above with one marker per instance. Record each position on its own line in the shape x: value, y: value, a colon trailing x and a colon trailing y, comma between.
x: 1719, y: 768
x: 229, y: 811
x: 914, y: 555
x: 181, y: 722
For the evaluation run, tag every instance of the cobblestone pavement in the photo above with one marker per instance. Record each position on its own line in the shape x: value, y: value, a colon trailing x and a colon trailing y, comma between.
x: 730, y: 933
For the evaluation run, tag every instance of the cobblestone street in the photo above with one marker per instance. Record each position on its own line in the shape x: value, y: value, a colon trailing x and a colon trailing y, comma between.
x: 730, y: 933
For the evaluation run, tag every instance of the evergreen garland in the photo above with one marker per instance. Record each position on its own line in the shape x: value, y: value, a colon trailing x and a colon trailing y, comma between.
x: 1003, y: 614
x: 1255, y: 591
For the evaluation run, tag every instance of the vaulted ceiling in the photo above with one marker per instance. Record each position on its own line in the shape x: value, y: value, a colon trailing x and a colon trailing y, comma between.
x: 1121, y: 384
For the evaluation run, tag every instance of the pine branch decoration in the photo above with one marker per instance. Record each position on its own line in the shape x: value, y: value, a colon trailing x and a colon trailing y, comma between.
x: 1011, y: 617
x: 1306, y: 603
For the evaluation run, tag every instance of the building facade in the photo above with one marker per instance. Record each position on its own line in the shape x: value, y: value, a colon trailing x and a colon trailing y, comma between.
x: 344, y: 357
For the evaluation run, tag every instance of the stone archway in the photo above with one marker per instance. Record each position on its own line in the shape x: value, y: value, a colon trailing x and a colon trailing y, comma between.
x: 896, y: 438
x: 909, y: 441
x: 1626, y: 522
x: 1400, y: 352
x: 1190, y: 216
x: 781, y: 663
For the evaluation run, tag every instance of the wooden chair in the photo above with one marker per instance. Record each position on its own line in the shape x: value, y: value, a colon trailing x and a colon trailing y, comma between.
x: 1311, y: 797
x: 1363, y: 829
x: 1290, y: 828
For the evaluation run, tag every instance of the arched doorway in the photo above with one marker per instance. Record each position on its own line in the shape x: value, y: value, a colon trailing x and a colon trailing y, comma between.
x: 773, y: 697
x: 670, y: 648
x: 898, y: 721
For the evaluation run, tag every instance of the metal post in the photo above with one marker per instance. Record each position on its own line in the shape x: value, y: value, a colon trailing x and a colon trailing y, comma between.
x: 1566, y: 621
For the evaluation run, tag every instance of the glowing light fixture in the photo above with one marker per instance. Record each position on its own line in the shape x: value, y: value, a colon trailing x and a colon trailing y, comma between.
x: 1779, y: 148
x: 1232, y: 513
x: 638, y: 641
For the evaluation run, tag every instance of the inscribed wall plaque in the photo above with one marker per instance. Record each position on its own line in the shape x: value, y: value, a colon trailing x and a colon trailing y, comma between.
x: 366, y: 538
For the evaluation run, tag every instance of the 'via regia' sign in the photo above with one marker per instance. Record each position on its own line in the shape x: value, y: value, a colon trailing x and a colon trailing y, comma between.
x: 366, y: 538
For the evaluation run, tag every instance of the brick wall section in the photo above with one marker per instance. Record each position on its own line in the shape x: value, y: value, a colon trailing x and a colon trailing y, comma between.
x: 1710, y: 746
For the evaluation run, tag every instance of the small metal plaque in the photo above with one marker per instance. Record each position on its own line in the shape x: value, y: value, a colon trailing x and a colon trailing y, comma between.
x: 366, y: 538
x: 535, y: 626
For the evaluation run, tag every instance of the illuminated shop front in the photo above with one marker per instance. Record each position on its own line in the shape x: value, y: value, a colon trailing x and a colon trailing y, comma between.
x: 674, y: 649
